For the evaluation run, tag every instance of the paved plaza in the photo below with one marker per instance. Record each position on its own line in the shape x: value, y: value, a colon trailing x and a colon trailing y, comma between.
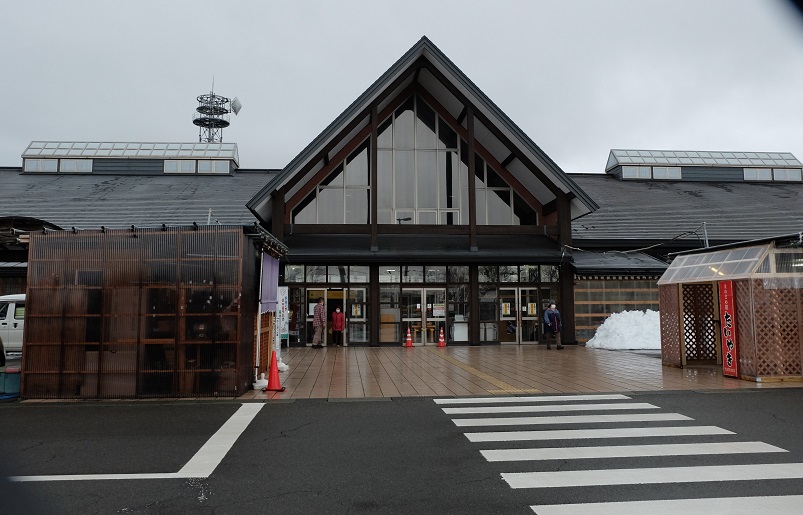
x: 362, y: 372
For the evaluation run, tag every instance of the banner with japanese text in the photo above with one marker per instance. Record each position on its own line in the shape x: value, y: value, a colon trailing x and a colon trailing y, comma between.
x: 727, y: 314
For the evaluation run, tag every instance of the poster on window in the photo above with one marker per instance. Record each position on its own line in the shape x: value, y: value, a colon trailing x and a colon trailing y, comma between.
x: 356, y: 311
x: 439, y: 310
x: 532, y: 309
x: 727, y: 314
x: 283, y: 310
x: 506, y: 308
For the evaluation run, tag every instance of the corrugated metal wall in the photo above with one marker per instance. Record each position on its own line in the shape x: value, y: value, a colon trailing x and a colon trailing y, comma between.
x: 128, y: 166
x: 143, y: 313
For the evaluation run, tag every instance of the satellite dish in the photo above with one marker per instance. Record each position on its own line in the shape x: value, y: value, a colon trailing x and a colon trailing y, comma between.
x: 236, y: 105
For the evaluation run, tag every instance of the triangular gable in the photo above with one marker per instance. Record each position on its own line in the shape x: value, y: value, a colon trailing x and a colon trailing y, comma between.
x: 426, y: 65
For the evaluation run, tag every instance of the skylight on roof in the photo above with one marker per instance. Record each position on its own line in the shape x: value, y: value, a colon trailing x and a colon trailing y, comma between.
x: 89, y: 149
x: 702, y: 158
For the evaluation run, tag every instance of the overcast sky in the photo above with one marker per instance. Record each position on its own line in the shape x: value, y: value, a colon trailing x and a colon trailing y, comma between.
x: 579, y: 77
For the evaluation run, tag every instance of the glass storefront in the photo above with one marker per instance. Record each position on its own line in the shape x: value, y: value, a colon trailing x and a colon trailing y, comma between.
x: 424, y: 299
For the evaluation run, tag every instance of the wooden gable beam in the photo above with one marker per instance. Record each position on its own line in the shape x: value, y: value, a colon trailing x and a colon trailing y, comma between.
x: 344, y: 152
x: 484, y: 153
x: 494, y: 130
x: 354, y: 123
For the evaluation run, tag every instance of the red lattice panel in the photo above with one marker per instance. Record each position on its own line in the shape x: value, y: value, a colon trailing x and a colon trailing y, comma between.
x: 670, y: 330
x: 744, y: 326
x: 699, y: 330
x: 777, y: 323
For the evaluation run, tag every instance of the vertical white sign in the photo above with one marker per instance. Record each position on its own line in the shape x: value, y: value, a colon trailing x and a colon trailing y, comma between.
x: 281, y: 325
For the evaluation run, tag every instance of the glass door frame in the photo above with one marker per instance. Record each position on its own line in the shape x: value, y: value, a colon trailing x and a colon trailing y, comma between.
x: 434, y: 315
x: 428, y: 317
x: 520, y: 314
x: 415, y: 322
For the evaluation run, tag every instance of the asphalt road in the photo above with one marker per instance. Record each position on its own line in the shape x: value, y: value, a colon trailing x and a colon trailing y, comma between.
x: 357, y: 456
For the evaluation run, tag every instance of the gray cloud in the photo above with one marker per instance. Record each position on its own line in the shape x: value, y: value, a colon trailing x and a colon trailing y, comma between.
x: 579, y: 77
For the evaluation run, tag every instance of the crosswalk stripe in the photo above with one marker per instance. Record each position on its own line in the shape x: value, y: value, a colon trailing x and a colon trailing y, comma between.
x: 628, y: 451
x: 638, y: 476
x: 556, y: 407
x: 715, y: 506
x: 569, y: 419
x: 541, y: 398
x: 622, y: 432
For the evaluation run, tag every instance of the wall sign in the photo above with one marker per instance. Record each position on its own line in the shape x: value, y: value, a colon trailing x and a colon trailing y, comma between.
x: 727, y: 314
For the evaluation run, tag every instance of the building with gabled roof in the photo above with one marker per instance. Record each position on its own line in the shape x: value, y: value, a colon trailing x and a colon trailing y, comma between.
x: 422, y: 208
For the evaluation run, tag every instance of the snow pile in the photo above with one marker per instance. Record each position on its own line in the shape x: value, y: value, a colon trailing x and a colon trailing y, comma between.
x: 629, y: 330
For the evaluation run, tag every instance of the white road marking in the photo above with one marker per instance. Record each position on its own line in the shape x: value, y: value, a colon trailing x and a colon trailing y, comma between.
x: 622, y: 432
x: 555, y: 407
x: 628, y: 451
x: 201, y: 465
x: 542, y: 398
x: 715, y: 506
x: 639, y: 476
x: 568, y: 419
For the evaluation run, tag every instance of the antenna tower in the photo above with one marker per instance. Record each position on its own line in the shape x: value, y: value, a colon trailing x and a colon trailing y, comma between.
x: 212, y: 116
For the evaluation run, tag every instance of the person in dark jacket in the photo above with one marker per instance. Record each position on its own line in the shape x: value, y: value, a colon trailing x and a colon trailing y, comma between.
x: 552, y: 326
x: 338, y: 326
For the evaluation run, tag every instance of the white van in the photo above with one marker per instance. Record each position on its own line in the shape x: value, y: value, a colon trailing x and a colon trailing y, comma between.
x: 12, y: 321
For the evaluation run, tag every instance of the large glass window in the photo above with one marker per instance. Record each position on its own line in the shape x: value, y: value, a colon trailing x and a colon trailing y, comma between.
x: 359, y: 274
x: 497, y: 203
x: 458, y: 274
x: 75, y: 166
x: 343, y: 197
x: 389, y: 274
x: 42, y: 165
x: 786, y: 174
x: 316, y: 274
x: 179, y: 166
x: 412, y: 274
x: 419, y: 174
x: 757, y: 174
x: 294, y: 273
x: 389, y: 314
x: 422, y: 178
x: 213, y: 166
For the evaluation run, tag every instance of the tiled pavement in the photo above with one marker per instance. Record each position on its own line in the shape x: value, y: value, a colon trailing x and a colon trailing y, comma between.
x: 362, y: 372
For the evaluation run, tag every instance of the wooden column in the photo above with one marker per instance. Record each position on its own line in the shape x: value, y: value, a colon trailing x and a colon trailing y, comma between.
x: 472, y: 191
x: 373, y: 303
x: 373, y: 180
x: 474, y: 305
x: 277, y: 221
x: 568, y: 333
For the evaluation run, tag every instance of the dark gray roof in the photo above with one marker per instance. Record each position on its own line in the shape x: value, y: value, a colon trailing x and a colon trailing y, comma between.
x: 632, y: 263
x: 90, y: 201
x: 645, y: 211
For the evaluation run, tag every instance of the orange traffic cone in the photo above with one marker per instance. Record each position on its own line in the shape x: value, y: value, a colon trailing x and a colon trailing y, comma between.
x: 409, y: 341
x: 274, y: 384
x: 441, y: 341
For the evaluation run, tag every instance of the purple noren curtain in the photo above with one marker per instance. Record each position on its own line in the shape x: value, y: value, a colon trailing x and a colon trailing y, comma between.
x: 270, y: 282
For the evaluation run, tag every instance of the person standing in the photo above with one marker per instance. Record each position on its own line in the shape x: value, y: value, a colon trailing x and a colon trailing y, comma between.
x: 318, y: 324
x: 552, y: 326
x: 338, y: 325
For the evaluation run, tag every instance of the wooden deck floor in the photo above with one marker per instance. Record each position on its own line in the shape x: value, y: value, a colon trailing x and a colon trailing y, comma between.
x: 363, y: 372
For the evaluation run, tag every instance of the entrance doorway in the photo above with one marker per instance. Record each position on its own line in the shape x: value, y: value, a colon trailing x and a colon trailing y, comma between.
x: 332, y: 298
x: 519, y: 316
x: 423, y: 311
x: 700, y: 332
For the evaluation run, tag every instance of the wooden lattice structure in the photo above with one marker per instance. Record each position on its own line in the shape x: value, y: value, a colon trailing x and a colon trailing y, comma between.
x: 699, y: 328
x: 768, y: 300
x: 670, y: 325
x: 164, y: 312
